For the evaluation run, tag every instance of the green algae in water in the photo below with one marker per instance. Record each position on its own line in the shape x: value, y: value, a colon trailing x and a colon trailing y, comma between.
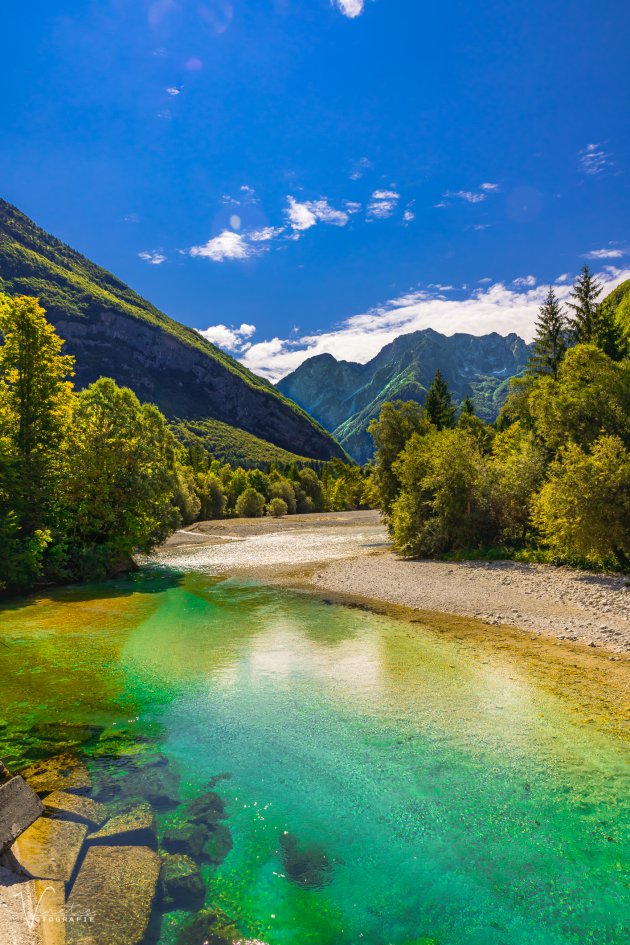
x: 458, y: 803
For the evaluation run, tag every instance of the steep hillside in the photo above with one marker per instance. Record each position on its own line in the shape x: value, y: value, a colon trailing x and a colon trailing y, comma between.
x: 231, y: 445
x: 112, y: 331
x: 345, y: 396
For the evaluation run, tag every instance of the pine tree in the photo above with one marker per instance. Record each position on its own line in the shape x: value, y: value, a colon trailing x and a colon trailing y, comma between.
x: 609, y: 335
x: 438, y: 406
x: 550, y: 341
x: 468, y: 408
x: 585, y: 293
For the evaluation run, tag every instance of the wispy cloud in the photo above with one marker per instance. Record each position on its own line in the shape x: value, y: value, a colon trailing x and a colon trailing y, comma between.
x: 359, y: 169
x: 382, y: 204
x: 594, y: 160
x: 173, y: 90
x: 490, y: 188
x: 265, y: 234
x: 610, y: 252
x: 493, y: 307
x: 154, y: 257
x: 349, y: 8
x: 227, y: 246
x: 470, y: 196
x: 233, y: 338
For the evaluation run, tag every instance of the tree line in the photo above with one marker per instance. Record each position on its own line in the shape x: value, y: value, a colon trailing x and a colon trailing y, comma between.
x: 90, y: 477
x: 549, y: 481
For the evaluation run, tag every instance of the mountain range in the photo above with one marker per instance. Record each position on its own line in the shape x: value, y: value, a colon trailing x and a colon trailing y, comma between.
x: 114, y: 332
x: 345, y: 396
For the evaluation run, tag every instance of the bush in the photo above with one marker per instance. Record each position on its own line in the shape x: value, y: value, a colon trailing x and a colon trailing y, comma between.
x: 277, y: 508
x: 583, y: 511
x: 250, y: 504
x: 444, y: 504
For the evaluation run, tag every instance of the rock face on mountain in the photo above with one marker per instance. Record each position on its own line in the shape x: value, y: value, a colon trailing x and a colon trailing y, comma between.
x: 344, y: 396
x: 114, y: 332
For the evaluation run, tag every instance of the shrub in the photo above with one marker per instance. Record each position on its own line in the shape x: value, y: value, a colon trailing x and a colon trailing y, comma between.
x: 250, y: 504
x: 277, y: 508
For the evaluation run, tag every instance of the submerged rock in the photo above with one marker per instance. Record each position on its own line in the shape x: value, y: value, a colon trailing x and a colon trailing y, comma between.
x: 62, y: 804
x: 307, y: 866
x: 64, y: 772
x: 208, y: 928
x: 49, y: 849
x: 135, y: 825
x: 218, y: 844
x: 181, y: 883
x: 206, y: 809
x: 118, y: 885
x: 186, y: 838
x: 19, y: 808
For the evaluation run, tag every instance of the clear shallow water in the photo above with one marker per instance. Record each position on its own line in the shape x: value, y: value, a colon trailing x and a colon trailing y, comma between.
x: 458, y: 802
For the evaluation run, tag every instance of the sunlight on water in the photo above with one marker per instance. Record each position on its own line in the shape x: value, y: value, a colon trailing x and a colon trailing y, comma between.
x: 456, y: 800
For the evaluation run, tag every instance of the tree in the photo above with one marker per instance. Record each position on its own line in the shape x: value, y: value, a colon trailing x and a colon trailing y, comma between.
x: 517, y: 469
x: 609, y: 335
x: 438, y: 406
x: 212, y: 495
x: 282, y: 488
x: 583, y: 322
x: 277, y: 508
x: 468, y: 408
x: 186, y: 499
x: 550, y: 341
x: 35, y: 406
x: 120, y: 483
x: 590, y: 396
x: 396, y: 424
x: 583, y: 510
x: 250, y: 504
x: 444, y: 503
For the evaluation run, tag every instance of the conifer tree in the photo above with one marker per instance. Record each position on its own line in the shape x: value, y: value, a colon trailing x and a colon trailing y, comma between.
x: 583, y: 322
x: 609, y: 335
x: 438, y: 406
x: 550, y: 341
x: 468, y: 408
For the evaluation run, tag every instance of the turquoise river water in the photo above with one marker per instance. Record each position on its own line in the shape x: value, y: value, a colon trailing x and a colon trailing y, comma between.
x: 457, y: 802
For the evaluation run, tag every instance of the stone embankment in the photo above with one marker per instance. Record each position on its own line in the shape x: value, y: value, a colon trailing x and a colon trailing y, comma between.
x: 84, y: 863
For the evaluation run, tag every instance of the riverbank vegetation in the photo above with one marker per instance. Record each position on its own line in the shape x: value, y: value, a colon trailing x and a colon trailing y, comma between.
x: 549, y: 481
x: 88, y: 478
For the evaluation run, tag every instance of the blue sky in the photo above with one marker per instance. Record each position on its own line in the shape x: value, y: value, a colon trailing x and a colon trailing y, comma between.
x: 293, y: 176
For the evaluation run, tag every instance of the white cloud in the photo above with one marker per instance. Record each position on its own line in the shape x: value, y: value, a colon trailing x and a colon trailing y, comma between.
x: 153, y: 257
x: 408, y: 216
x: 247, y: 191
x: 480, y: 226
x: 524, y: 282
x: 490, y: 188
x: 382, y: 204
x: 350, y: 8
x: 468, y: 195
x: 610, y: 253
x: 231, y: 338
x: 265, y: 233
x: 228, y: 245
x: 173, y: 90
x: 495, y: 307
x: 302, y: 216
x: 594, y: 160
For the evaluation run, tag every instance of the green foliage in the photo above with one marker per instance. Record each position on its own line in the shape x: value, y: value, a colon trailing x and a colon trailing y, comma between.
x: 277, y: 508
x: 584, y: 306
x: 516, y: 471
x: 438, y: 406
x: 396, y: 423
x: 250, y: 504
x: 444, y: 502
x: 85, y: 479
x: 229, y: 444
x: 583, y: 510
x: 550, y: 341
